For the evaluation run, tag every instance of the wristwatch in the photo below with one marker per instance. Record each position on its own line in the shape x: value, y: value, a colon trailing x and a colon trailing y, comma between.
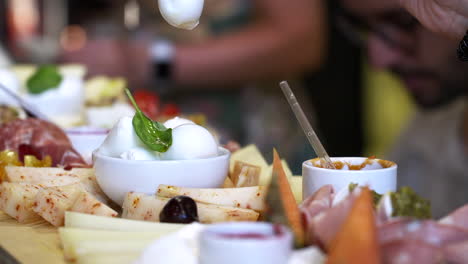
x: 162, y: 53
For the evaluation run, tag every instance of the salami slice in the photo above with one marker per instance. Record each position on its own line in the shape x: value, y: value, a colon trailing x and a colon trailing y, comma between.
x: 457, y: 218
x: 40, y: 138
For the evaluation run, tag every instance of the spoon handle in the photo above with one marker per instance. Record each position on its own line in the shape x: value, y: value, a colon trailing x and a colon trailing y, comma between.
x: 308, y: 130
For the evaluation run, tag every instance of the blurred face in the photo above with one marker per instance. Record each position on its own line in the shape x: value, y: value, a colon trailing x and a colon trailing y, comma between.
x: 426, y: 62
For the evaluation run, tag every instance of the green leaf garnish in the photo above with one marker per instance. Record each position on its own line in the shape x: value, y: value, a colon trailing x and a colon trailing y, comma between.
x: 153, y: 134
x: 406, y: 202
x: 45, y: 78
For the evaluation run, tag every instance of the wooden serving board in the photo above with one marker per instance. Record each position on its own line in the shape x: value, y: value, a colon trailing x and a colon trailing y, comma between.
x: 33, y: 243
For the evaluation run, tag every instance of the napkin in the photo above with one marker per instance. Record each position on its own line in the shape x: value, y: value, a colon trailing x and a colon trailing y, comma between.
x: 181, y: 247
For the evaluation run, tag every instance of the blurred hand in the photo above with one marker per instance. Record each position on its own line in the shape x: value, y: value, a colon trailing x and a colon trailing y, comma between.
x: 449, y: 17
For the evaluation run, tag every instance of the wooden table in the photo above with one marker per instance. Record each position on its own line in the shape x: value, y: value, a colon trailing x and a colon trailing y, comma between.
x: 33, y: 243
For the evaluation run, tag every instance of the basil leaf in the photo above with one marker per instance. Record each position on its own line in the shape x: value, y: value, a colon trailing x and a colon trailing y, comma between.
x: 153, y: 134
x: 45, y: 78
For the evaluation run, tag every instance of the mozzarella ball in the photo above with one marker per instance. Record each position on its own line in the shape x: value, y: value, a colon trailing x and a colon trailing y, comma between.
x: 177, y: 121
x: 121, y: 138
x: 139, y: 154
x: 183, y: 14
x: 191, y: 142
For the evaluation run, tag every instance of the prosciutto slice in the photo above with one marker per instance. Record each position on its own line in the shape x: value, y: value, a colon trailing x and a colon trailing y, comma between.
x: 408, y: 251
x: 427, y: 231
x: 40, y: 138
x: 401, y: 240
x: 457, y: 218
x: 457, y: 253
x: 323, y: 223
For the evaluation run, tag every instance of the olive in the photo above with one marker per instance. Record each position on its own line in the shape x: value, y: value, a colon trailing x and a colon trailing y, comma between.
x: 179, y: 209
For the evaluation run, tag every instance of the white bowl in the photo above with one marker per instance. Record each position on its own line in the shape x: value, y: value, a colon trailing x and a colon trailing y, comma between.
x: 85, y: 140
x: 377, y: 178
x: 117, y: 176
x: 273, y: 248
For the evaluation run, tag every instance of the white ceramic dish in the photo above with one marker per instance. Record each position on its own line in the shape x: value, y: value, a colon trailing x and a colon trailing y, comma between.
x: 216, y: 248
x: 85, y: 140
x: 118, y: 176
x: 377, y: 178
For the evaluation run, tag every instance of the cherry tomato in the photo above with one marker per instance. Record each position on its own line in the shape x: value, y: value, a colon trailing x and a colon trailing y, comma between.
x: 148, y: 103
x: 170, y: 110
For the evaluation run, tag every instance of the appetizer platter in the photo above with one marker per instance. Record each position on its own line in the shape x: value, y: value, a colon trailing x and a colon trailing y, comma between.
x: 159, y: 188
x: 154, y: 186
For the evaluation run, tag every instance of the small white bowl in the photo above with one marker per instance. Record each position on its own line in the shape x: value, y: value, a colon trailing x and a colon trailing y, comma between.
x: 85, y: 140
x: 376, y: 177
x: 117, y: 176
x: 223, y: 243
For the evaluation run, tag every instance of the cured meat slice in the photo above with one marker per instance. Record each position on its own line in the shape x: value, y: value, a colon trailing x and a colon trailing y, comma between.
x: 40, y: 138
x: 457, y: 253
x: 318, y: 202
x: 457, y: 218
x: 326, y: 224
x: 31, y: 131
x: 356, y: 241
x: 315, y: 204
x: 407, y: 251
x: 427, y: 231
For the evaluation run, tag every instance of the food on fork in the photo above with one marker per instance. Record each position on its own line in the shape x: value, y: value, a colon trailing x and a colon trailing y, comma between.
x: 181, y: 13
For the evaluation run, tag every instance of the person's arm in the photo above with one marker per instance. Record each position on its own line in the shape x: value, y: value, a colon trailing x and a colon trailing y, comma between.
x: 286, y: 38
x: 448, y: 17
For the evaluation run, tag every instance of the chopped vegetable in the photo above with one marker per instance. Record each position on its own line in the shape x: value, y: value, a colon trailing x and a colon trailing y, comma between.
x: 406, y: 202
x: 153, y: 134
x: 45, y: 78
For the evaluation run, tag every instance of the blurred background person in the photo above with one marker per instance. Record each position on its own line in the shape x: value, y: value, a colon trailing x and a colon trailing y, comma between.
x: 449, y: 17
x: 432, y: 151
